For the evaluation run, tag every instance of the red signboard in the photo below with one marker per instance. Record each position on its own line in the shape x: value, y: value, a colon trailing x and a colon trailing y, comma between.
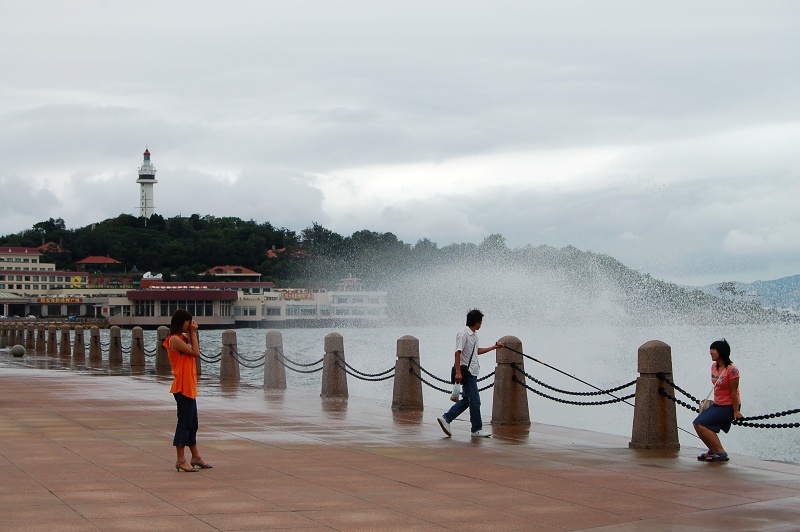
x: 59, y: 300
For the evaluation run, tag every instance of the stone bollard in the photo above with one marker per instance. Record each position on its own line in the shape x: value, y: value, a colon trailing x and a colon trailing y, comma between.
x: 510, y: 399
x: 162, y: 358
x: 229, y: 365
x: 334, y: 378
x: 274, y: 370
x: 41, y: 339
x: 137, y: 347
x: 95, y: 349
x: 19, y: 335
x: 78, y: 348
x: 64, y: 344
x: 3, y: 336
x: 407, y: 391
x: 655, y: 425
x: 30, y: 339
x: 115, y: 346
x: 12, y: 335
x: 52, y: 343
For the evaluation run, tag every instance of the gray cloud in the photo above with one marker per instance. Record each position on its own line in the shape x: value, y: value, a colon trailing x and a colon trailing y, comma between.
x: 247, y: 105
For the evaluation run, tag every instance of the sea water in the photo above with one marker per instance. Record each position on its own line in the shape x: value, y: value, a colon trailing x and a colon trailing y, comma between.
x: 604, y: 356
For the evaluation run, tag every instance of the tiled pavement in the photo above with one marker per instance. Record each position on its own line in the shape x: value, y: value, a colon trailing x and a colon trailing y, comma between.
x: 92, y: 452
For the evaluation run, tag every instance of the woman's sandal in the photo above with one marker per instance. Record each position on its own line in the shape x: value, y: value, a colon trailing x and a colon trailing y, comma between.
x: 717, y: 457
x: 703, y: 457
x: 179, y: 468
x: 199, y: 462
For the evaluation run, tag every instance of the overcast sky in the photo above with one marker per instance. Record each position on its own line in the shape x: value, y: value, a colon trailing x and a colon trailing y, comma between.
x: 666, y: 135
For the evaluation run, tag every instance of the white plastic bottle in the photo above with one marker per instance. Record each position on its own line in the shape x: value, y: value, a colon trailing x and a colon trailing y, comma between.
x: 456, y: 392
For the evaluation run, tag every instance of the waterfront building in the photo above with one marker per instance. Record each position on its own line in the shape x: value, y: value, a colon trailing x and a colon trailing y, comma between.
x: 238, y: 299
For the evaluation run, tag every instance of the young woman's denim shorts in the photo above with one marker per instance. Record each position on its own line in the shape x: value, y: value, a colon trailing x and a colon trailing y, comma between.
x: 716, y: 418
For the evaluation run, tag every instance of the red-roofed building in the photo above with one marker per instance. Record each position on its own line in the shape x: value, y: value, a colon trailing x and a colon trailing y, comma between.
x: 51, y: 247
x: 95, y: 261
x: 238, y: 273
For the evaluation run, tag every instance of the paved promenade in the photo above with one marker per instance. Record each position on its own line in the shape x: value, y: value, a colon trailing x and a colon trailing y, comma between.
x: 92, y: 452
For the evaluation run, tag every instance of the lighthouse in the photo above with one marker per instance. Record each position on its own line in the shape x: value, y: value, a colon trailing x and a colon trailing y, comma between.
x: 147, y: 178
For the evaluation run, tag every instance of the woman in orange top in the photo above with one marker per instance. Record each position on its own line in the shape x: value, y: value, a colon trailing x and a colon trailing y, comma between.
x: 183, y: 352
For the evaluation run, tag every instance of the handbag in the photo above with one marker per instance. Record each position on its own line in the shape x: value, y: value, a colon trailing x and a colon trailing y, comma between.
x: 706, y: 403
x: 464, y: 369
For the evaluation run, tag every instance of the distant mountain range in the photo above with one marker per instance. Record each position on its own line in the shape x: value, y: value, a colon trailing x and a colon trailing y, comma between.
x: 781, y: 294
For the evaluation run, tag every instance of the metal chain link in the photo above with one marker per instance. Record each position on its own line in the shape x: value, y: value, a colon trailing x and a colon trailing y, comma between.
x: 744, y: 422
x: 281, y: 362
x: 578, y: 403
x: 417, y: 375
x: 343, y: 368
x: 567, y: 392
x: 340, y: 358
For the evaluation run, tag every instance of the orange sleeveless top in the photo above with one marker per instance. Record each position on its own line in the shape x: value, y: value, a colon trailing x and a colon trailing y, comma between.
x: 184, y: 370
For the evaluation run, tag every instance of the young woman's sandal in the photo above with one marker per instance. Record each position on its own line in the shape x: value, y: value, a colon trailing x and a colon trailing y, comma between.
x: 179, y: 467
x: 199, y: 462
x: 717, y: 457
x: 703, y: 457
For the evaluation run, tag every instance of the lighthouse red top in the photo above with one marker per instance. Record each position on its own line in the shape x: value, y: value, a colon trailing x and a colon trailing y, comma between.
x: 146, y: 151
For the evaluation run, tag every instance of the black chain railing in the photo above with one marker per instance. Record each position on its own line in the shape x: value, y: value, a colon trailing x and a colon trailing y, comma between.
x: 577, y: 403
x: 419, y: 376
x: 743, y: 422
x: 251, y: 363
x: 283, y: 360
x: 351, y: 368
x: 360, y: 377
x: 567, y: 392
x: 210, y: 359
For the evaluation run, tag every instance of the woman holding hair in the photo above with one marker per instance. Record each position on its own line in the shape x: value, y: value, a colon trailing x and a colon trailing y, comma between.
x: 183, y: 351
x: 727, y: 403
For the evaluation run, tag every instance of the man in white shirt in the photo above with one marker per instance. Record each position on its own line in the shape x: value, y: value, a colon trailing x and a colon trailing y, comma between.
x: 467, y: 369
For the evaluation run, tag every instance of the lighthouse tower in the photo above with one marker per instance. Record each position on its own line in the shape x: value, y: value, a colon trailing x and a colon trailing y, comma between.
x: 147, y: 178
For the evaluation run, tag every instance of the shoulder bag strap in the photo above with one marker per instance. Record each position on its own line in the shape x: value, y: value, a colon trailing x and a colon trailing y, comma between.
x: 474, y: 346
x: 714, y: 386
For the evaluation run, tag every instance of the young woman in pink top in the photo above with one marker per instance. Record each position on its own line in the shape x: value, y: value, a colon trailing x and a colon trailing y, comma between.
x: 727, y: 403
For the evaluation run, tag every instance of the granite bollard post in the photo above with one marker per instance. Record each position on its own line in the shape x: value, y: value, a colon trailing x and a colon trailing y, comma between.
x: 229, y: 364
x: 3, y: 336
x: 655, y: 424
x: 115, y: 346
x: 52, y: 342
x: 162, y: 358
x: 19, y: 335
x: 510, y: 399
x: 30, y: 339
x: 137, y: 347
x: 274, y: 370
x: 334, y: 378
x: 78, y: 348
x: 163, y: 364
x: 64, y: 347
x: 95, y: 351
x: 407, y: 390
x: 41, y: 339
